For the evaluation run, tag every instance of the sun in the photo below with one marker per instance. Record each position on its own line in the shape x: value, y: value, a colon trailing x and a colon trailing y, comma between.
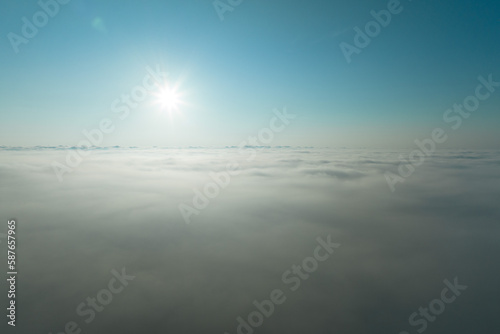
x: 169, y: 98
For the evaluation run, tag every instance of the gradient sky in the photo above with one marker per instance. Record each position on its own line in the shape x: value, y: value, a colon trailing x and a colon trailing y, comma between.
x: 264, y: 55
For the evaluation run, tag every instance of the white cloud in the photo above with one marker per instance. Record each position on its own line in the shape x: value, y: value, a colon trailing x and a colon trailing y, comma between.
x: 119, y: 209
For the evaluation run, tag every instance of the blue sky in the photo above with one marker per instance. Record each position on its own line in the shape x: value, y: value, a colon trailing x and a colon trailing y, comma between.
x: 263, y: 55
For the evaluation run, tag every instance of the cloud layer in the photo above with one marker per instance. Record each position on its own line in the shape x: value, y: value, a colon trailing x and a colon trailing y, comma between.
x: 119, y: 209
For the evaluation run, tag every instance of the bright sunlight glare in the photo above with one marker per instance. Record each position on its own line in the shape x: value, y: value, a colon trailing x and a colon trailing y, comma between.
x: 169, y: 99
